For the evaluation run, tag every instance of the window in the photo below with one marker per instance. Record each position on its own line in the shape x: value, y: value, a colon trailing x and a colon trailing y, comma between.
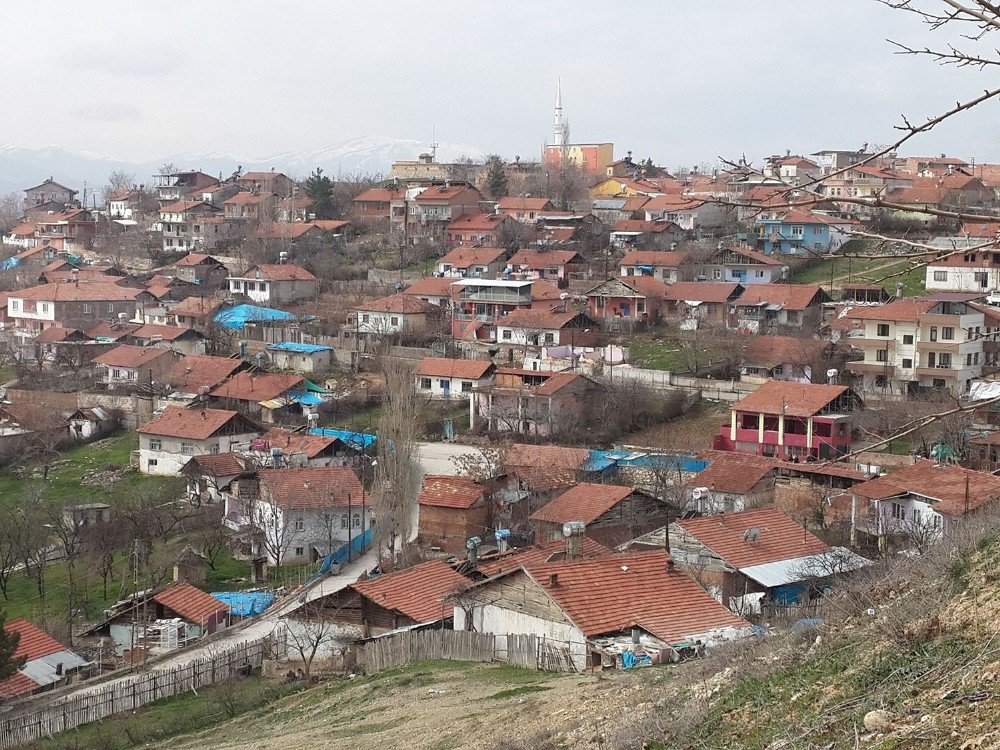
x: 968, y: 359
x: 883, y: 329
x: 151, y: 464
x: 908, y: 340
x: 111, y: 307
x: 116, y: 374
x: 506, y: 334
x: 343, y: 521
x: 716, y: 273
x: 940, y: 276
x: 759, y: 274
x: 155, y: 444
x: 425, y: 384
x: 947, y: 333
x: 300, y: 524
x: 797, y: 229
x: 550, y: 338
x: 466, y: 386
x: 86, y: 309
x: 356, y: 520
x: 933, y: 333
x: 881, y: 355
x: 15, y: 305
x: 939, y: 383
x: 365, y: 318
x: 897, y: 511
x: 300, y: 551
x: 944, y: 359
x: 975, y: 358
x: 394, y: 320
x: 982, y: 279
x: 907, y: 364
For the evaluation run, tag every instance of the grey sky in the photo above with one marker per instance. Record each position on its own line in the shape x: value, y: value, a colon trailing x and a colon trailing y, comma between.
x: 681, y: 80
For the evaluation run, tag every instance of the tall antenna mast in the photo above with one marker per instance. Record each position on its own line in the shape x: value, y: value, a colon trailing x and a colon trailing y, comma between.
x: 434, y: 145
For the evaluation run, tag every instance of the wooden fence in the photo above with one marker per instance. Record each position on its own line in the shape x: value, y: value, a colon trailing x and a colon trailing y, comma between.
x: 528, y: 651
x: 128, y: 693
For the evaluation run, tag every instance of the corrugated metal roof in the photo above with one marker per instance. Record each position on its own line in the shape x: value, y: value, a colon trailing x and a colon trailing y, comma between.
x: 780, y: 572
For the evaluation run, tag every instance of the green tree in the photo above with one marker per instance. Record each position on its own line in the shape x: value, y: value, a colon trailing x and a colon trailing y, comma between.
x: 319, y: 188
x: 8, y: 645
x: 496, y: 178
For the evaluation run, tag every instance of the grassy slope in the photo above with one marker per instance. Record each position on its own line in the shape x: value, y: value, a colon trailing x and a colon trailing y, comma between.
x: 862, y: 271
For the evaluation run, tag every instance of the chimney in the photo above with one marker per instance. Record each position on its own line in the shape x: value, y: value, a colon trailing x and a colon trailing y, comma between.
x: 899, y: 290
x: 553, y: 579
x: 670, y: 565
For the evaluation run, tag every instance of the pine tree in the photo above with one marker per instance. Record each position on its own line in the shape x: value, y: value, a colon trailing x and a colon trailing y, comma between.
x: 8, y: 645
x: 319, y: 189
x: 496, y: 179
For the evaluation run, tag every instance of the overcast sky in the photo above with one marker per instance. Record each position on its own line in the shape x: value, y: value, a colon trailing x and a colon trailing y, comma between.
x: 681, y: 80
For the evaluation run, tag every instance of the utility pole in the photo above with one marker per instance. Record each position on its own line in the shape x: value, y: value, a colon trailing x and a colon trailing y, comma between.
x: 350, y: 529
x: 135, y: 597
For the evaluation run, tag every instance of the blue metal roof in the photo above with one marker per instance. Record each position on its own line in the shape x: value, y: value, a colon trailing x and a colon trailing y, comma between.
x: 601, y: 460
x: 239, y: 316
x: 359, y: 440
x: 290, y: 346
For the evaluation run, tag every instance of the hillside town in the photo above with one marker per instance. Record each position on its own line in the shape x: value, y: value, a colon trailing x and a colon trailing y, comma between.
x: 579, y: 413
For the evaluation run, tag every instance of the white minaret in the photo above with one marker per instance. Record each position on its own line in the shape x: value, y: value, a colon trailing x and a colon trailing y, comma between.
x: 559, y: 128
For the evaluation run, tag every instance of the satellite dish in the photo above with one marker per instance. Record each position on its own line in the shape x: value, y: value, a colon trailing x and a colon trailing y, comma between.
x: 699, y: 492
x: 473, y: 542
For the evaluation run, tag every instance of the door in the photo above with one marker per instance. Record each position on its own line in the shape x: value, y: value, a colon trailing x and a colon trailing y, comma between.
x: 446, y: 387
x: 626, y: 309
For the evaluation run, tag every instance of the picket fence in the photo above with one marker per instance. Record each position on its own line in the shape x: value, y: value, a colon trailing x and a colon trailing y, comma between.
x: 409, y: 647
x: 128, y: 693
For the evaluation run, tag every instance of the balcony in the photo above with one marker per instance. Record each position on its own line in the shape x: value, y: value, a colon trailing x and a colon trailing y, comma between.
x: 948, y: 373
x: 879, y: 368
x: 951, y: 346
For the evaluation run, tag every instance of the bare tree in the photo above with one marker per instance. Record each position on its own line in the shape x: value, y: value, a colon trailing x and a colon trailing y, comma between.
x: 397, y: 476
x: 11, y: 211
x: 311, y: 628
x: 120, y: 179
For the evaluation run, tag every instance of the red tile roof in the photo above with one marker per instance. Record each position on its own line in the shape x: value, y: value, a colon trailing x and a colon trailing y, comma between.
x: 256, y: 386
x: 645, y: 286
x: 288, y: 230
x: 196, y: 424
x: 781, y: 538
x: 330, y: 225
x: 537, y: 556
x: 539, y: 319
x: 418, y: 592
x: 183, y: 206
x: 404, y: 304
x: 981, y: 230
x: 197, y: 259
x: 55, y: 334
x: 201, y: 370
x: 196, y: 307
x: 437, y: 193
x: 733, y: 472
x: 469, y: 369
x: 430, y: 286
x: 904, y: 310
x: 477, y: 222
x: 216, y: 465
x: 524, y: 204
x: 112, y: 330
x: 91, y: 291
x: 702, y: 291
x: 277, y: 272
x: 545, y: 467
x: 126, y: 355
x: 955, y: 489
x: 33, y: 417
x: 34, y: 642
x: 585, y: 502
x: 771, y: 350
x: 542, y: 290
x: 656, y: 258
x: 552, y: 382
x: 795, y: 399
x: 378, y: 195
x: 541, y: 259
x: 608, y: 595
x: 291, y: 441
x: 167, y: 333
x: 192, y: 604
x: 466, y: 257
x: 312, y: 487
x: 789, y: 296
x: 247, y: 198
x: 673, y: 203
x: 753, y: 256
x: 16, y: 685
x: 451, y: 492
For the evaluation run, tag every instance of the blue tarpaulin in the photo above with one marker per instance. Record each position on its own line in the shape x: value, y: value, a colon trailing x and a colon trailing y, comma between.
x: 356, y: 546
x: 246, y: 603
x: 358, y: 440
x: 602, y: 460
x: 630, y: 660
x: 239, y: 316
x: 9, y: 264
x: 291, y: 346
x: 305, y: 397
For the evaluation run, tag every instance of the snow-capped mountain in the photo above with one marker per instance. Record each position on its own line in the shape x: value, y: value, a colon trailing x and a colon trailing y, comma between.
x: 369, y: 155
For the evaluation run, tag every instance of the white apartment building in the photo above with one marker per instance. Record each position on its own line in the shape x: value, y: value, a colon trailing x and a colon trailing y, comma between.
x: 914, y: 345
